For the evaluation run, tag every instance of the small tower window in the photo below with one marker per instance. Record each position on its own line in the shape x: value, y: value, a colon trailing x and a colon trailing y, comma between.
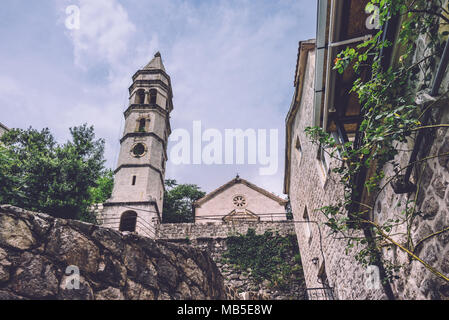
x: 142, y: 123
x: 140, y: 96
x: 128, y: 221
x: 298, y: 149
x: 134, y: 180
x: 307, y: 231
x: 153, y: 96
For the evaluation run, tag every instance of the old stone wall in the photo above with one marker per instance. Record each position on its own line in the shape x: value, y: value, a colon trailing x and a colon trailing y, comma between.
x: 211, y: 238
x: 182, y: 231
x: 429, y: 229
x: 323, y: 257
x: 36, y: 249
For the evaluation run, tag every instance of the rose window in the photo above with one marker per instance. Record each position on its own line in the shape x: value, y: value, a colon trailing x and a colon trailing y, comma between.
x: 138, y: 150
x: 239, y: 201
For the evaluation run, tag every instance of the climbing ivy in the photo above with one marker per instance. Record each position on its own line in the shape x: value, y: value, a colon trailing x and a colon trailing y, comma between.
x: 265, y: 256
x: 390, y: 118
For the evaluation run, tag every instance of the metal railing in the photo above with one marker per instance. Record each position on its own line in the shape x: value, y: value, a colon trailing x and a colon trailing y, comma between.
x: 143, y: 225
x: 321, y: 294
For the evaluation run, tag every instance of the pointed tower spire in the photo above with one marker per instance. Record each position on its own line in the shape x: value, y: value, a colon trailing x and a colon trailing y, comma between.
x: 155, y: 63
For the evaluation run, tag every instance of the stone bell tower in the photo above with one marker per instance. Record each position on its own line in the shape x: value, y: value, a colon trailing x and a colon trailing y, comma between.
x: 137, y: 197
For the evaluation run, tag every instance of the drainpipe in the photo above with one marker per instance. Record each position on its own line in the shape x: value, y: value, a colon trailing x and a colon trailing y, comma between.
x: 330, y: 50
x: 441, y: 71
x: 403, y: 184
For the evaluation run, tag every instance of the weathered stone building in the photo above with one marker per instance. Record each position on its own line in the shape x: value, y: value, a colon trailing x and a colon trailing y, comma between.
x: 323, y: 99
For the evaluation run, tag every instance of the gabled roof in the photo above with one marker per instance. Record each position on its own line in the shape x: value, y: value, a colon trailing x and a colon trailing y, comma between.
x: 301, y: 65
x: 155, y: 63
x: 238, y: 180
x: 4, y: 127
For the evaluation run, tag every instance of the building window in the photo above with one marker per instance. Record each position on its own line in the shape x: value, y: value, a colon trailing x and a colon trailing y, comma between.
x: 298, y: 149
x: 239, y: 201
x: 140, y: 96
x: 153, y: 96
x: 142, y: 124
x: 128, y: 221
x: 307, y: 231
x: 134, y: 180
x: 139, y: 150
x: 322, y: 158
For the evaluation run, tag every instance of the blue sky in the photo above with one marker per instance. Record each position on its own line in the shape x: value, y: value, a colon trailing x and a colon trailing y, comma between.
x: 231, y: 64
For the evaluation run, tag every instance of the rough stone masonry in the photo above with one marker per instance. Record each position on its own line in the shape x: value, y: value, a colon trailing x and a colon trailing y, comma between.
x: 36, y: 249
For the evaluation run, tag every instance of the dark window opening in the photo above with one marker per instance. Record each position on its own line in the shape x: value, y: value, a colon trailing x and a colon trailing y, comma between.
x: 139, y: 150
x: 128, y: 221
x: 140, y: 99
x: 307, y: 231
x: 142, y: 123
x: 153, y: 96
x: 134, y: 180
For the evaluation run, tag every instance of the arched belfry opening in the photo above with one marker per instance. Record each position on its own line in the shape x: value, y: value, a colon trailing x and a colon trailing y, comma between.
x: 128, y: 221
x: 140, y: 96
x: 153, y: 96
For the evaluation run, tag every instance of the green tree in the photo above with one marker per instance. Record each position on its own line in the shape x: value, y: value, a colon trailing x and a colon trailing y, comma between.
x: 103, y: 189
x: 178, y: 201
x: 41, y: 175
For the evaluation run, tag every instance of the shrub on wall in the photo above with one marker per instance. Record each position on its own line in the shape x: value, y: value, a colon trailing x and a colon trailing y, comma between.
x: 266, y: 257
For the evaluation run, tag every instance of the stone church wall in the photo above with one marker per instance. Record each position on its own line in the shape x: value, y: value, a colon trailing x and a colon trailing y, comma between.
x: 36, y: 249
x: 183, y: 231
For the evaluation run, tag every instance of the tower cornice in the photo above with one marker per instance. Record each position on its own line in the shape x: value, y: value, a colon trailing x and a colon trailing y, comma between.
x: 153, y: 106
x: 151, y: 71
x: 143, y: 165
x: 140, y: 83
x: 146, y: 134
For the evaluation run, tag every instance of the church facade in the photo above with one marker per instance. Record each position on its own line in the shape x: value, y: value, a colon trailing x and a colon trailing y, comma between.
x: 239, y: 201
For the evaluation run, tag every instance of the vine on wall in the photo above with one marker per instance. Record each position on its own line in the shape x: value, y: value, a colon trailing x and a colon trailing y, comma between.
x: 391, y: 118
x: 265, y: 256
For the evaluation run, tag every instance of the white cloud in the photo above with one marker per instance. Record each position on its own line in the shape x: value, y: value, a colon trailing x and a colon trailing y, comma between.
x: 104, y: 34
x: 231, y: 63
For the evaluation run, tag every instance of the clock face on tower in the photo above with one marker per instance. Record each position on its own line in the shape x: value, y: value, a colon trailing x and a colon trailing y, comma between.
x: 139, y: 150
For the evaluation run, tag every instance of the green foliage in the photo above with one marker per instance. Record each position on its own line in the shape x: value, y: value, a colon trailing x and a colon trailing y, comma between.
x: 40, y: 175
x: 178, y: 201
x: 265, y: 255
x: 390, y: 117
x: 103, y: 189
